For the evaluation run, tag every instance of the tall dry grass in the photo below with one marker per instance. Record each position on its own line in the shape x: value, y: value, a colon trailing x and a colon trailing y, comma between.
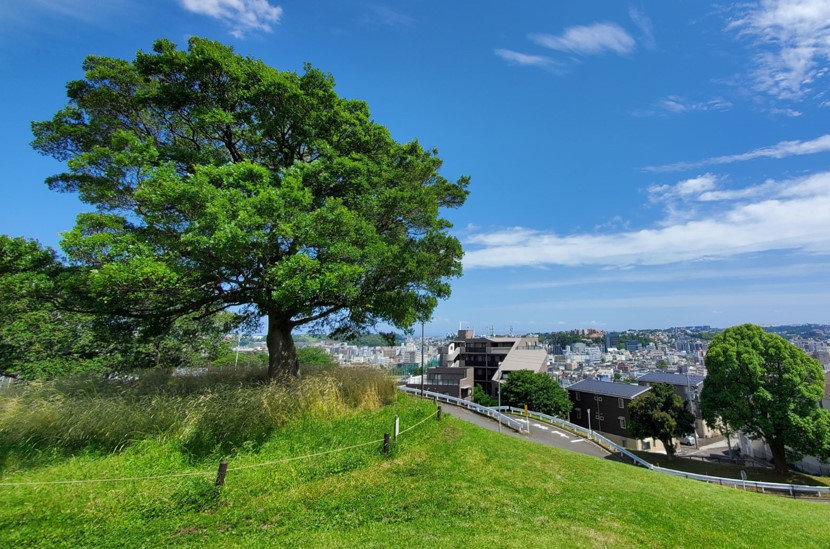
x: 212, y: 413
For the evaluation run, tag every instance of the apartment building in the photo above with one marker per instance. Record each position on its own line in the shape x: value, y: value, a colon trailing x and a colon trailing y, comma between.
x: 490, y: 359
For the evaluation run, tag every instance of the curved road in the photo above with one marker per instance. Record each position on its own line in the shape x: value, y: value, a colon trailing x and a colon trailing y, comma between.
x: 541, y: 433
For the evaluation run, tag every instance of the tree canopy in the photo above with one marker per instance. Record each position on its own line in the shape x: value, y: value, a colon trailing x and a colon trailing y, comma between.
x: 219, y: 182
x: 661, y: 414
x: 765, y: 386
x: 538, y: 391
x: 40, y: 339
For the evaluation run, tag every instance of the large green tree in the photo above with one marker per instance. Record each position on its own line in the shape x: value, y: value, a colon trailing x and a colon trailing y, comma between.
x: 763, y: 385
x: 218, y: 181
x: 39, y: 338
x: 536, y: 390
x: 660, y: 414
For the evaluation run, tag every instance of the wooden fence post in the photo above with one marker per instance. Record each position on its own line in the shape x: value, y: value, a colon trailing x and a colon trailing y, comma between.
x: 220, y: 476
x: 438, y: 416
x: 386, y: 444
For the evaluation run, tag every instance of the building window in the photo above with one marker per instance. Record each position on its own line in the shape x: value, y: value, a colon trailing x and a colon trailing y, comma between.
x: 622, y: 422
x: 576, y: 396
x: 578, y: 413
x: 621, y: 403
x: 646, y: 445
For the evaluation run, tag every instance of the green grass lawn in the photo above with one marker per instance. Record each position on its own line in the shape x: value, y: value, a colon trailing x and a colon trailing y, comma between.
x: 447, y: 484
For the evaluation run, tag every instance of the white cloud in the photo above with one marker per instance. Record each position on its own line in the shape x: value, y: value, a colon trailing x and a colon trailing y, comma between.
x: 793, y: 217
x: 241, y: 16
x: 517, y: 58
x: 792, y: 38
x: 589, y: 40
x: 782, y: 149
x: 677, y: 104
x: 87, y: 11
x: 683, y: 273
x: 384, y: 15
x: 642, y: 21
x: 684, y: 189
x: 792, y: 113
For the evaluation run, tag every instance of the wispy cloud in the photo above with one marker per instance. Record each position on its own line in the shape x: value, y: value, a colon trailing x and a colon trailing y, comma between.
x: 684, y: 189
x: 588, y: 40
x: 792, y: 217
x: 241, y: 16
x: 782, y: 149
x: 639, y: 17
x: 792, y: 113
x: 384, y: 15
x: 684, y: 273
x: 792, y: 39
x: 87, y: 11
x: 677, y: 104
x: 518, y: 58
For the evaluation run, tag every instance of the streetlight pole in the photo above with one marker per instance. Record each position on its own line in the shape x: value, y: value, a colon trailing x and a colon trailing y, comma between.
x: 238, y: 344
x: 691, y: 404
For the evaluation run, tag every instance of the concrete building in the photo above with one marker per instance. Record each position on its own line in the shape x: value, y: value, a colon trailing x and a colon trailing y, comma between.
x: 492, y: 358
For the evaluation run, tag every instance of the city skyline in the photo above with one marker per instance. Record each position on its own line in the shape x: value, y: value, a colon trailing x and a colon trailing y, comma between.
x: 634, y: 165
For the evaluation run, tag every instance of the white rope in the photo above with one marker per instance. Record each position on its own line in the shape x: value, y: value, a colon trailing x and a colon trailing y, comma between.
x: 202, y: 473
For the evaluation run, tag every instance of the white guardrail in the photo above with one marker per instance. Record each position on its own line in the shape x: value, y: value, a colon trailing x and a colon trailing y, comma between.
x: 522, y: 427
x: 508, y: 421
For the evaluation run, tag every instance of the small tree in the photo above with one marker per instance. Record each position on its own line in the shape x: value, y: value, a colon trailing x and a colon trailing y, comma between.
x: 662, y: 415
x: 480, y: 397
x: 761, y: 384
x: 536, y: 390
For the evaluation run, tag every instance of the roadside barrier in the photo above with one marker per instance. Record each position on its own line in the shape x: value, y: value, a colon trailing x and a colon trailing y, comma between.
x: 493, y: 413
x: 497, y: 413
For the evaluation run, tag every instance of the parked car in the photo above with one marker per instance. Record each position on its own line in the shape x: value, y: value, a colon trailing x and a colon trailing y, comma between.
x: 688, y: 440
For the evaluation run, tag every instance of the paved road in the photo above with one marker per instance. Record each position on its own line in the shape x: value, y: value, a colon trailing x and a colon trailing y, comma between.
x: 539, y: 432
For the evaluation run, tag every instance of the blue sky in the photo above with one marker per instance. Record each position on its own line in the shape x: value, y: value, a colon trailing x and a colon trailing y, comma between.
x: 634, y: 165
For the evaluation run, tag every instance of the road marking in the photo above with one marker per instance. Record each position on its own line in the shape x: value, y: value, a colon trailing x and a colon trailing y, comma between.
x: 563, y: 435
x: 542, y: 427
x: 577, y: 440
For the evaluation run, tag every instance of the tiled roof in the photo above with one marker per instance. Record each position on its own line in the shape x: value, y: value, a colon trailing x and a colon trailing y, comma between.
x: 608, y: 388
x: 673, y: 379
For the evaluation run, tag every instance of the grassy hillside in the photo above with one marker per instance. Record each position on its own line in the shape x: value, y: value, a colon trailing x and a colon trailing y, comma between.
x: 447, y: 484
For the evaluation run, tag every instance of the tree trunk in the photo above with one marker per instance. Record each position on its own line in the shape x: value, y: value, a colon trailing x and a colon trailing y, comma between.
x: 282, y: 355
x: 779, y: 457
x: 670, y: 450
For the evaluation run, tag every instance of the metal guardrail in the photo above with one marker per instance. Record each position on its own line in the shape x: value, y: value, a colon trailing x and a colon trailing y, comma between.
x: 520, y: 426
x: 791, y: 489
x: 585, y: 433
x: 493, y: 413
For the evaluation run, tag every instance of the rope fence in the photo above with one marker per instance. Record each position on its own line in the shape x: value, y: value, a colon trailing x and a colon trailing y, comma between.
x: 223, y: 468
